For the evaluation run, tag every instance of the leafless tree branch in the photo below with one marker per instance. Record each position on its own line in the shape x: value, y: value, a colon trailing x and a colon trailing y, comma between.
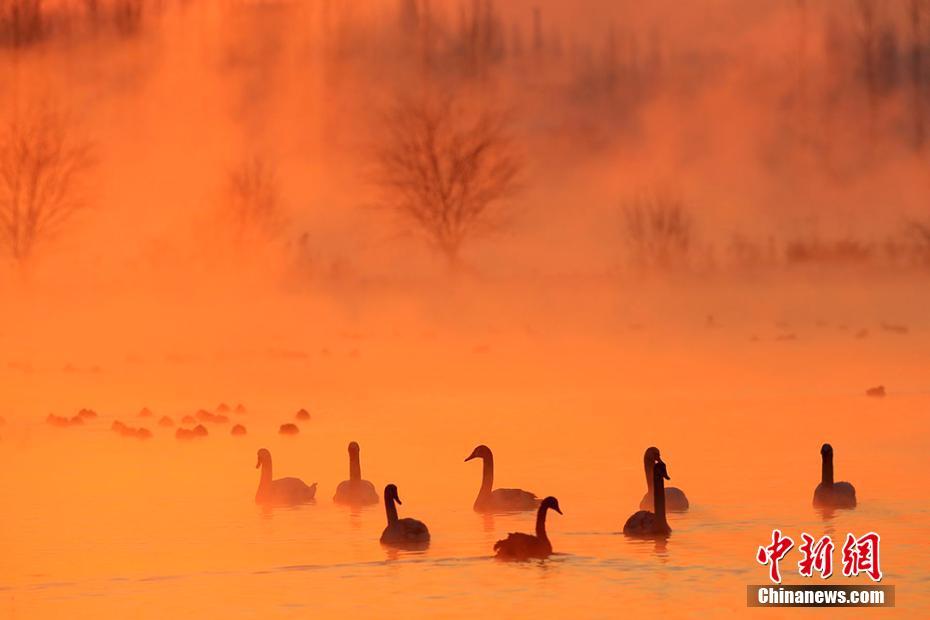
x: 444, y: 172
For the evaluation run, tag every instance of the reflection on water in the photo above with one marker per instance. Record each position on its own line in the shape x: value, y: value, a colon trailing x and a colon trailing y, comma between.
x: 95, y: 525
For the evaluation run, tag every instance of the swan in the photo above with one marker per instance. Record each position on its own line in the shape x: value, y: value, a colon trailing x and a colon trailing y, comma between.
x: 288, y: 429
x: 519, y: 546
x: 829, y: 494
x: 645, y: 524
x: 498, y: 500
x: 355, y: 490
x: 283, y: 490
x: 675, y: 498
x: 401, y: 532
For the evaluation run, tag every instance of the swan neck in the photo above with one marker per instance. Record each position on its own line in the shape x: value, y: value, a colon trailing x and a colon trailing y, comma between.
x: 649, y: 465
x: 826, y: 475
x: 391, y: 509
x: 658, y: 499
x: 541, y: 523
x: 266, y: 474
x: 355, y: 468
x: 487, y: 476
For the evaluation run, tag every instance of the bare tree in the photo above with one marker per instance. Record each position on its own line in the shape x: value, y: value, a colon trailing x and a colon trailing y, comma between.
x: 658, y: 229
x: 20, y: 22
x: 868, y: 39
x: 916, y: 14
x: 919, y: 238
x: 40, y: 165
x: 445, y: 172
x: 253, y: 203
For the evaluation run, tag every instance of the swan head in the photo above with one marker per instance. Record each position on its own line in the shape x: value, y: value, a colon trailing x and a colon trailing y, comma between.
x: 661, y: 470
x: 551, y: 503
x: 390, y: 493
x: 651, y: 455
x: 353, y: 447
x: 826, y: 450
x: 264, y: 456
x: 481, y: 452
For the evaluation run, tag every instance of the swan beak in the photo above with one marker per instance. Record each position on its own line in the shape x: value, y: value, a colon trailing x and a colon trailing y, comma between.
x: 557, y: 510
x: 472, y: 456
x: 397, y: 499
x: 258, y: 464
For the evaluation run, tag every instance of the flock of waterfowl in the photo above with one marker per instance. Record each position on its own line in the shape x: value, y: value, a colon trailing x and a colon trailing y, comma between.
x: 190, y: 426
x: 649, y: 522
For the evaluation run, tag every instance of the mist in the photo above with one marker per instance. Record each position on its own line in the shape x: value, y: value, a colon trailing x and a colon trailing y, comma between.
x: 230, y: 199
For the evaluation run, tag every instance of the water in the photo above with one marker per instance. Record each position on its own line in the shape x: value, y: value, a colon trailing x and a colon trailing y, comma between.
x: 95, y: 525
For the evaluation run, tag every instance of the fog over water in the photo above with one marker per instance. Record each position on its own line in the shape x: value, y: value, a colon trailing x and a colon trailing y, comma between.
x: 703, y: 226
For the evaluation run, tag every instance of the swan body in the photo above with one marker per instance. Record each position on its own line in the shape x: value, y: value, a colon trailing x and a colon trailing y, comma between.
x: 645, y: 524
x: 409, y: 533
x: 498, y: 500
x: 675, y: 498
x: 355, y: 491
x: 519, y: 546
x: 829, y: 494
x: 283, y: 491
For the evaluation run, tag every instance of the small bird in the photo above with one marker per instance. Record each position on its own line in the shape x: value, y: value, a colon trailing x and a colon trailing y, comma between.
x: 829, y: 494
x: 498, y: 500
x: 645, y: 524
x: 519, y: 546
x: 355, y: 491
x: 283, y: 491
x: 675, y: 498
x: 405, y: 533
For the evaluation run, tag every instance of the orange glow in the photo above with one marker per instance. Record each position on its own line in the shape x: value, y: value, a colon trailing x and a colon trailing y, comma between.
x: 233, y: 241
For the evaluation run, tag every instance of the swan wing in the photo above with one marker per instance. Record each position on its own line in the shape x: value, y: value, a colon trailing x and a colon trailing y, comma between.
x: 513, y: 499
x: 519, y: 546
x: 356, y: 492
x: 675, y: 500
x: 405, y: 532
x: 641, y: 522
x: 414, y: 530
x: 292, y: 490
x: 840, y: 495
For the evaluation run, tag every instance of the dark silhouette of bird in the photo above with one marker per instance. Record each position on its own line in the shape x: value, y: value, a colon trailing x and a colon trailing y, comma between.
x: 288, y: 429
x: 283, y: 491
x: 675, y: 498
x: 406, y: 533
x: 519, y: 546
x: 498, y: 500
x: 829, y: 494
x: 355, y: 491
x: 645, y: 524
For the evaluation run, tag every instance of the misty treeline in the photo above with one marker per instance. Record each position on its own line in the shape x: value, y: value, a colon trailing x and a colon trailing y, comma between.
x: 470, y: 85
x: 662, y: 233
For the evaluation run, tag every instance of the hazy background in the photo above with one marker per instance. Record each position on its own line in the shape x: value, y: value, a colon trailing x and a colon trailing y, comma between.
x: 717, y: 239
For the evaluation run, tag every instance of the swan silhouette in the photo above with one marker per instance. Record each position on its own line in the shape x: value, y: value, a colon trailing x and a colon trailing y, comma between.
x: 519, y: 546
x: 645, y: 524
x: 498, y: 500
x: 829, y: 494
x: 283, y: 491
x: 355, y: 491
x: 675, y: 498
x: 408, y: 532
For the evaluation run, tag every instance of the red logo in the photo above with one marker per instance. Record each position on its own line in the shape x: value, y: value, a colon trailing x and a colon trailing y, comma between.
x: 860, y: 555
x: 774, y: 553
x: 817, y: 556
